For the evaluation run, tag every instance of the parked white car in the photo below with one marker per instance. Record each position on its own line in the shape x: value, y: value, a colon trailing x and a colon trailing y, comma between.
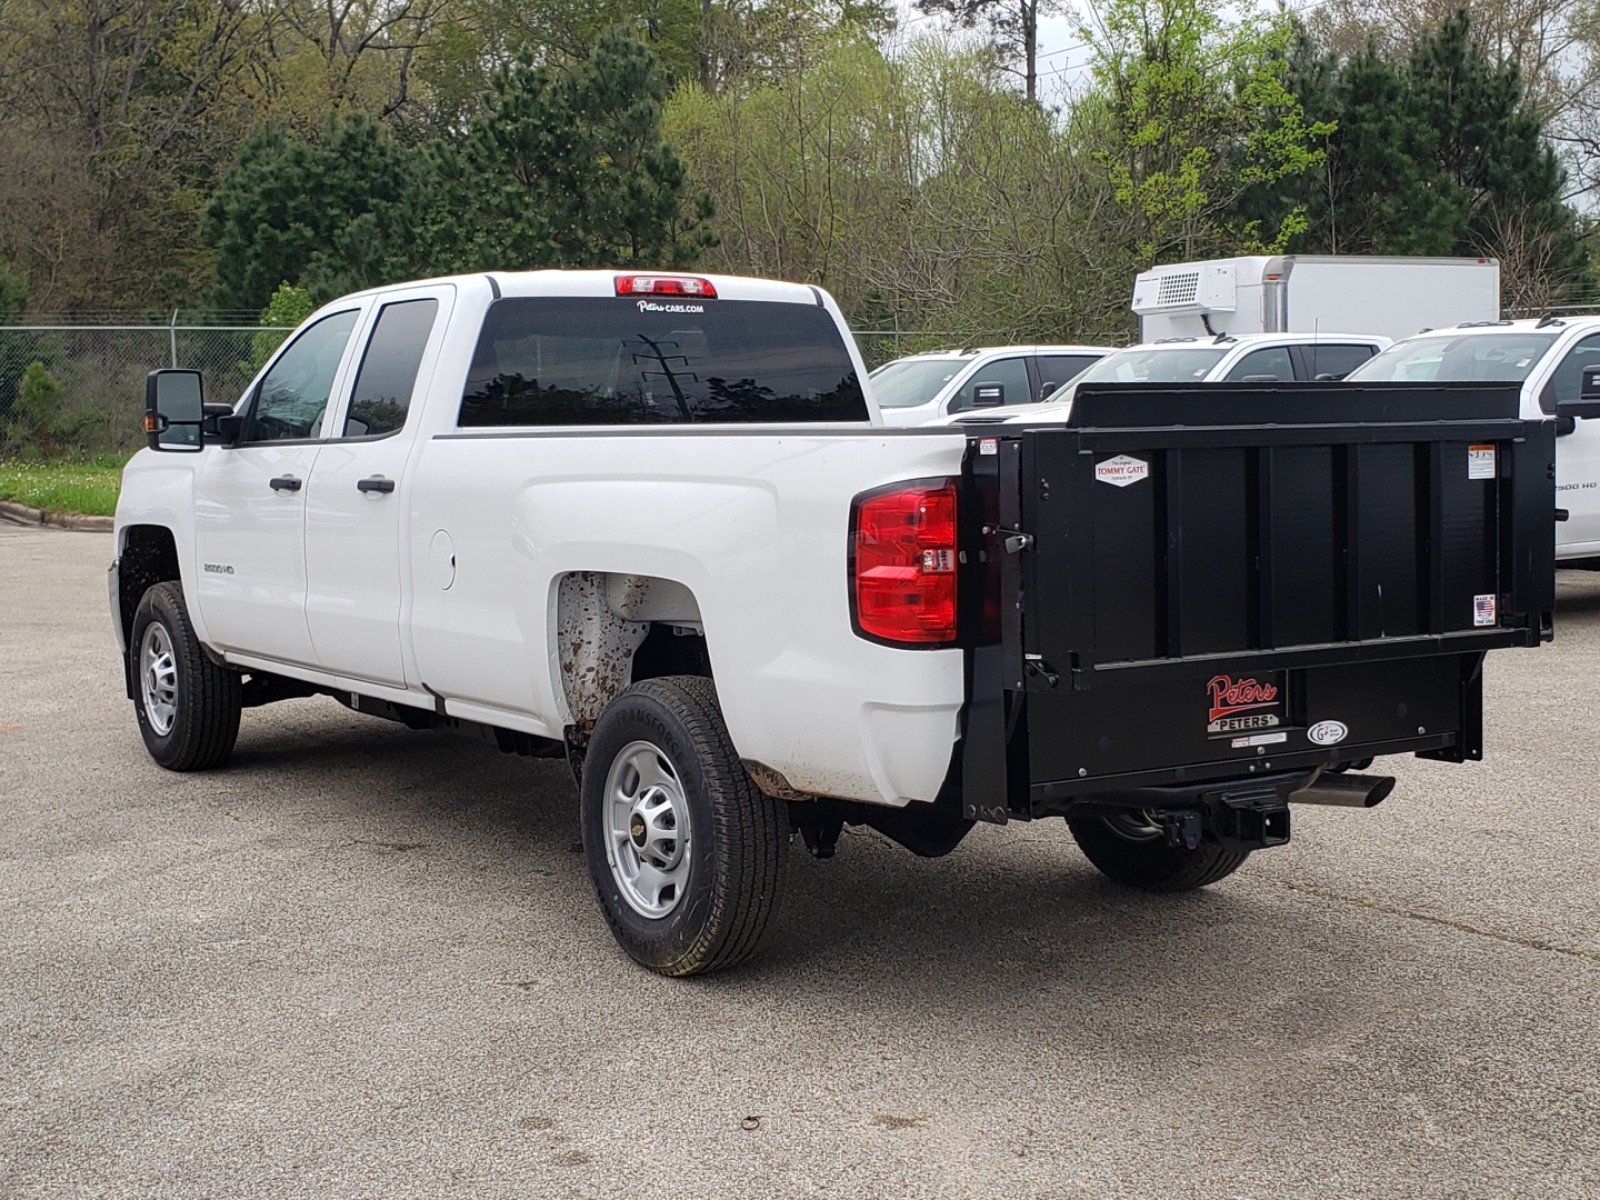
x: 924, y: 387
x: 1247, y: 358
x: 1548, y: 357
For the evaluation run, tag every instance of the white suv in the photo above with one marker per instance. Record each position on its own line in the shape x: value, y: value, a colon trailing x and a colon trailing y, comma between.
x: 1245, y: 358
x: 925, y: 387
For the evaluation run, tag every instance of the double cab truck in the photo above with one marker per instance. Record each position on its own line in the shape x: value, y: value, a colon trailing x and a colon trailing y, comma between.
x: 649, y: 523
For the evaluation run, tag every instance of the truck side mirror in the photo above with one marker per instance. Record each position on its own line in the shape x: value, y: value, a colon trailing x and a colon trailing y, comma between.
x: 988, y: 395
x: 1046, y: 390
x: 1259, y: 379
x: 174, y: 410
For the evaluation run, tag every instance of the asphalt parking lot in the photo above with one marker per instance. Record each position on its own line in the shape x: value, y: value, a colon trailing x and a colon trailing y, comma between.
x: 366, y: 962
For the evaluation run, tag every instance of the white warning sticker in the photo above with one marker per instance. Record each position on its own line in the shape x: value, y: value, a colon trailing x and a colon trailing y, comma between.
x: 1259, y: 739
x: 1483, y: 610
x: 1121, y: 470
x: 1480, y: 461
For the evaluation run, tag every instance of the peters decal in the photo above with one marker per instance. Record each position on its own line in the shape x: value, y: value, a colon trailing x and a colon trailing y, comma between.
x: 1327, y: 733
x: 1239, y: 705
x: 652, y: 306
x: 1121, y: 470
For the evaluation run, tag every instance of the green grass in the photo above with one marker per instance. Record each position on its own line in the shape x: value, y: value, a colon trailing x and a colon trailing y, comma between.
x: 74, y: 487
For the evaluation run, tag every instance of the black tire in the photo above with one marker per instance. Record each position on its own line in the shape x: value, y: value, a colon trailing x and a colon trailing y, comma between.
x: 737, y: 851
x: 203, y: 723
x: 1137, y: 856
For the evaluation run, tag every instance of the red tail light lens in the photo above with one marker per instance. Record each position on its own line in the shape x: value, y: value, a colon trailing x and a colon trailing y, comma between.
x: 903, y: 542
x: 666, y: 285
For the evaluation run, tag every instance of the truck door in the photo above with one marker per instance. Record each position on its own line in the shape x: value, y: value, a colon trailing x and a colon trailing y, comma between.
x: 355, y: 508
x: 1577, y: 453
x: 250, y: 501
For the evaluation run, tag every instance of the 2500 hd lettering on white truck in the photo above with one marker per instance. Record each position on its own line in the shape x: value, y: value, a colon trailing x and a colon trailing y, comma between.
x: 646, y: 522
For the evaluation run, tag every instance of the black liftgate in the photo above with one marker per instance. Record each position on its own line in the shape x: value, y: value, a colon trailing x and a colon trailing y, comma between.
x: 1199, y: 583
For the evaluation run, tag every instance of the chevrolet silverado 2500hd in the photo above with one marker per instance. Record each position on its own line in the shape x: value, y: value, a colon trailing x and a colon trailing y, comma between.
x: 647, y: 522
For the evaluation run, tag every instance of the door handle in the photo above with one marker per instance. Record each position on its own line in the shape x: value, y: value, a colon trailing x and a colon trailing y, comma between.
x: 285, y: 483
x: 375, y: 483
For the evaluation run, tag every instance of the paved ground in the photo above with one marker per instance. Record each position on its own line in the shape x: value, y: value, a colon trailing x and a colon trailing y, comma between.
x: 365, y: 962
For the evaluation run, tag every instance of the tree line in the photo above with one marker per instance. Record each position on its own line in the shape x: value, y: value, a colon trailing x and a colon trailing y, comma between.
x: 204, y: 153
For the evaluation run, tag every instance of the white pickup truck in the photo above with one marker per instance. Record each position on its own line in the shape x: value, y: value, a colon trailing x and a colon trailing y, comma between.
x: 646, y: 522
x: 1553, y: 360
x: 925, y: 387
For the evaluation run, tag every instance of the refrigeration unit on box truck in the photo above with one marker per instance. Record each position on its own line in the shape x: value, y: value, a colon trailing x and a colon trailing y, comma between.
x: 1302, y: 293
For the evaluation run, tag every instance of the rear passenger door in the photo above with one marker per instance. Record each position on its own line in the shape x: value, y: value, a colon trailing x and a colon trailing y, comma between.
x: 355, y: 505
x: 1578, y: 452
x: 1320, y: 360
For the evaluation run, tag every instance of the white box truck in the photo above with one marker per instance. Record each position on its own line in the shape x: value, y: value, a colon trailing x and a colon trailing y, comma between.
x: 1304, y: 293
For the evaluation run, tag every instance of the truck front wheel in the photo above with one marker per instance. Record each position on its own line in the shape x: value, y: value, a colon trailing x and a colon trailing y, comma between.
x: 687, y: 856
x: 1130, y: 848
x: 188, y: 706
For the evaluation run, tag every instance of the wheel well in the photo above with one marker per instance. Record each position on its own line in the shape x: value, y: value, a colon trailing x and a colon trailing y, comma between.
x: 614, y: 629
x: 149, y: 556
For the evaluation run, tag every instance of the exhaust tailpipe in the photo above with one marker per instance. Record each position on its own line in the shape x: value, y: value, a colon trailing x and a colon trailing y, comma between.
x: 1346, y: 791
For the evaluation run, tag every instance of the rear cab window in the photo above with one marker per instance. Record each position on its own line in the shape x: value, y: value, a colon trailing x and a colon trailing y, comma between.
x: 548, y: 361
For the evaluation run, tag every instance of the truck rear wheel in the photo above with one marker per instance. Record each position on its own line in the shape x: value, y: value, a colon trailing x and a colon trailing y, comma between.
x: 188, y: 707
x: 1131, y: 849
x: 687, y: 856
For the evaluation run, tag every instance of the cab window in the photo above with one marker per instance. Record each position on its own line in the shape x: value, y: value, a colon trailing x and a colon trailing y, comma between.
x: 1056, y: 370
x: 1337, y: 361
x: 293, y: 394
x: 1272, y: 362
x: 388, y: 374
x: 1011, y: 373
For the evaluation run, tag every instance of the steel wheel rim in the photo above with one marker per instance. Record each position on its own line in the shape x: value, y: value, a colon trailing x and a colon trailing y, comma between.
x: 647, y: 830
x: 1134, y: 825
x: 158, y: 678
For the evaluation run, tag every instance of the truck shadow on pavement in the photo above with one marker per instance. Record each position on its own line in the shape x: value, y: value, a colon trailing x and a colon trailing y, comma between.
x: 1015, y: 922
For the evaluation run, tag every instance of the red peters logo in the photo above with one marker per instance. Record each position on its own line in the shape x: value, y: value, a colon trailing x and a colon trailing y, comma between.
x: 1230, y: 695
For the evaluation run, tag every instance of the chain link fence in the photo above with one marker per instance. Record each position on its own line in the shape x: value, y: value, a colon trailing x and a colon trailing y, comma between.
x: 98, y: 374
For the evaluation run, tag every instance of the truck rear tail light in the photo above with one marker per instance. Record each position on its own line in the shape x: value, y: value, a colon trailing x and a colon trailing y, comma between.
x: 666, y: 285
x: 903, y: 563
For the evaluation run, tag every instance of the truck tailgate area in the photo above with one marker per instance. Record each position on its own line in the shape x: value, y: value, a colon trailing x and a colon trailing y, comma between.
x: 1201, y: 583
